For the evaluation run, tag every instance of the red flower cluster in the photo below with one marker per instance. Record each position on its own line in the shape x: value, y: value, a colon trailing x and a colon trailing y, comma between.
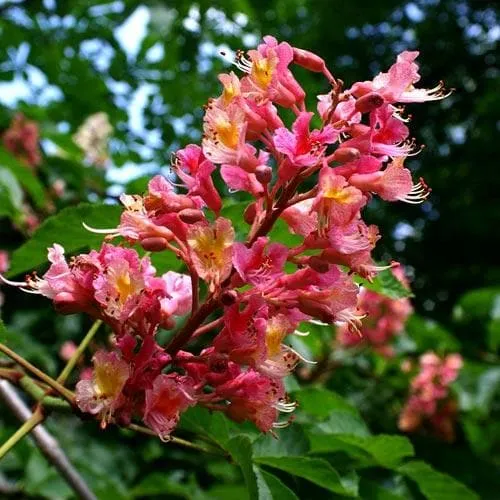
x: 430, y: 401
x: 21, y: 139
x: 352, y: 148
x: 385, y: 318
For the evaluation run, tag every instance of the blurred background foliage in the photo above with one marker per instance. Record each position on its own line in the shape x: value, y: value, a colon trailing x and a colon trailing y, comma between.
x: 151, y: 66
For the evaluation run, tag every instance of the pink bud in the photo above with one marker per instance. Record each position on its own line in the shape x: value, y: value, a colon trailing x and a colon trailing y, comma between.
x: 369, y: 102
x: 315, y: 309
x: 308, y: 60
x: 264, y: 174
x: 67, y: 350
x: 65, y: 303
x: 318, y: 264
x: 346, y: 155
x: 229, y: 297
x: 250, y: 213
x: 190, y: 215
x: 154, y: 244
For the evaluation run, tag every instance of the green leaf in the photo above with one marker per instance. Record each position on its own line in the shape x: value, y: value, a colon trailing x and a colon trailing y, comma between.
x: 435, y: 485
x: 428, y: 334
x: 385, y: 283
x: 66, y: 229
x: 292, y: 441
x: 341, y: 422
x: 3, y: 332
x: 25, y: 176
x: 482, y: 304
x: 316, y: 470
x: 11, y: 194
x: 159, y: 483
x: 384, y: 450
x: 213, y: 425
x: 271, y: 488
x: 320, y: 402
x: 240, y: 448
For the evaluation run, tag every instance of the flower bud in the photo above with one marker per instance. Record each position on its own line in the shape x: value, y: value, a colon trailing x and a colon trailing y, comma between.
x: 345, y: 155
x: 318, y: 264
x: 308, y: 60
x: 65, y: 303
x: 264, y: 174
x: 315, y: 309
x: 250, y: 213
x: 229, y: 297
x: 154, y: 244
x: 369, y: 102
x: 190, y: 215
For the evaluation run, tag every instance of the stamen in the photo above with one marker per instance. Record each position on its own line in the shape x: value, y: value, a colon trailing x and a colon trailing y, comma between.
x: 302, y: 358
x: 12, y: 283
x: 242, y: 62
x: 114, y: 231
x: 300, y: 334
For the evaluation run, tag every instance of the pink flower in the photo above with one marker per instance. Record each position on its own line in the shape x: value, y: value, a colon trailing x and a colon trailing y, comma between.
x: 21, y: 139
x: 255, y: 397
x: 211, y: 250
x: 178, y: 291
x: 4, y: 261
x: 302, y: 147
x: 261, y: 263
x: 268, y: 75
x: 397, y: 84
x: 384, y: 319
x: 337, y: 202
x: 195, y: 171
x: 244, y: 334
x: 430, y: 400
x: 168, y: 398
x: 102, y: 395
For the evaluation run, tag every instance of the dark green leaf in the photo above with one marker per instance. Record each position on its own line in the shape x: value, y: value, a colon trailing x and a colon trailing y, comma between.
x: 25, y: 176
x: 240, y: 448
x: 435, y: 485
x: 271, y: 488
x: 66, y: 229
x: 290, y: 441
x: 316, y: 470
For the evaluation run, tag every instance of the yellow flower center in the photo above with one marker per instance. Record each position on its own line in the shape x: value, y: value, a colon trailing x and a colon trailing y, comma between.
x: 227, y: 133
x: 262, y: 71
x: 124, y: 286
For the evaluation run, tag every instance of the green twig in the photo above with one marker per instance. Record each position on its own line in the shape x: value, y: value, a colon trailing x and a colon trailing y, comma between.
x: 179, y: 441
x: 79, y: 351
x: 24, y: 430
x: 38, y: 394
x: 67, y: 394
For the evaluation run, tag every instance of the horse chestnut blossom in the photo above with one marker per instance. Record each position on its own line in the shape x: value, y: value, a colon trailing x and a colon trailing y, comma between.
x: 430, y: 402
x: 385, y: 318
x: 316, y: 175
x: 21, y: 139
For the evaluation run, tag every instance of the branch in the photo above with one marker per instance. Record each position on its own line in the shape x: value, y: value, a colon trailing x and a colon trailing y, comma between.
x: 46, y: 442
x: 179, y: 441
x: 67, y: 394
x: 79, y: 351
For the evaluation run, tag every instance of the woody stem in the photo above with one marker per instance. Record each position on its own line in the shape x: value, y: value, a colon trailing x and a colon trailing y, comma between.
x: 79, y: 351
x: 67, y: 394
